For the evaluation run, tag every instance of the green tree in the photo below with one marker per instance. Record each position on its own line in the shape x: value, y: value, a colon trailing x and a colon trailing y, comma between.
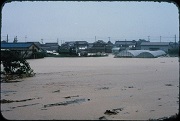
x: 14, y: 64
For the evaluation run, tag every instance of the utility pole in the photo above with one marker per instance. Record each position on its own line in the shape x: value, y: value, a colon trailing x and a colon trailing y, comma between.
x: 148, y: 38
x: 57, y: 40
x: 42, y: 41
x: 7, y: 38
x: 95, y: 38
x: 125, y: 43
x: 109, y: 38
x: 160, y: 38
x: 175, y: 40
x: 25, y: 38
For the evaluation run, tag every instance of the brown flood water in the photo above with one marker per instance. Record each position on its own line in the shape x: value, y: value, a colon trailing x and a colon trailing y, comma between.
x: 85, y: 88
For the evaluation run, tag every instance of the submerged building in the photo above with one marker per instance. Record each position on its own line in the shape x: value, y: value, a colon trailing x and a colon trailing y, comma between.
x: 140, y: 54
x: 165, y: 46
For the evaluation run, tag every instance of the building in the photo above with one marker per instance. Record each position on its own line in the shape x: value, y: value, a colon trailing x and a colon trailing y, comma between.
x: 140, y: 54
x: 109, y: 46
x: 115, y: 50
x: 27, y: 50
x: 98, y: 46
x: 50, y: 46
x: 81, y: 45
x: 125, y: 44
x: 165, y: 46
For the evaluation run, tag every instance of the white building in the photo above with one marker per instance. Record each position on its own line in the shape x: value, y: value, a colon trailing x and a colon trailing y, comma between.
x: 140, y: 54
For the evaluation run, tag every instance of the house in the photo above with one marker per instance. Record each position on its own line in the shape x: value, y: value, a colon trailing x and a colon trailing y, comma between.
x: 98, y: 46
x: 90, y: 45
x: 68, y: 48
x: 36, y: 43
x: 125, y: 44
x: 109, y: 46
x: 26, y: 49
x: 165, y: 46
x: 138, y: 43
x: 81, y: 45
x: 50, y: 46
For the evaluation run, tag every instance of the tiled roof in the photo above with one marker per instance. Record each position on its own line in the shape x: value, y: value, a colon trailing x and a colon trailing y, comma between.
x: 81, y: 42
x: 125, y: 42
x: 15, y: 45
x: 155, y: 43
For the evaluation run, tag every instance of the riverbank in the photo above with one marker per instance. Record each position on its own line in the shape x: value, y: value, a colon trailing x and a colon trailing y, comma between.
x: 94, y: 89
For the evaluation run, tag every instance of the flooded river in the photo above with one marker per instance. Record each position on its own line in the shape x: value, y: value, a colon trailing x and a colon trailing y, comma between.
x: 93, y: 88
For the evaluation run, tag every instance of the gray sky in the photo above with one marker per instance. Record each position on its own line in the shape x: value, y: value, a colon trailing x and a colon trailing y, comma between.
x: 68, y: 21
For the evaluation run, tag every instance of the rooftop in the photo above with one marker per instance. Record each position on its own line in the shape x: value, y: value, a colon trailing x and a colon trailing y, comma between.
x: 15, y: 45
x: 155, y: 43
x: 125, y: 42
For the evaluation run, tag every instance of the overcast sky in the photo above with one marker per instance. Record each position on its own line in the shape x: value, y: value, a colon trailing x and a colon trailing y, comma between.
x: 69, y: 21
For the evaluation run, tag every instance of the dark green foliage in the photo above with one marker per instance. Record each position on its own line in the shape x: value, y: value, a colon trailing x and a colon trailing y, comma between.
x: 39, y: 54
x: 14, y: 64
x: 174, y: 51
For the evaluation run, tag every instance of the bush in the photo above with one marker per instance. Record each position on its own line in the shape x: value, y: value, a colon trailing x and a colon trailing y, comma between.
x: 14, y: 64
x: 174, y: 51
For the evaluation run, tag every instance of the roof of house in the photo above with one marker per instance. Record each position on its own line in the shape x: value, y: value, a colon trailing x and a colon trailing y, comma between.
x: 15, y: 45
x: 36, y: 43
x: 154, y: 43
x: 50, y: 44
x: 125, y: 42
x: 81, y: 42
x: 99, y: 42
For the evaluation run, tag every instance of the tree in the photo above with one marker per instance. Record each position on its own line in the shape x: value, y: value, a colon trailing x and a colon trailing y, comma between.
x: 14, y: 64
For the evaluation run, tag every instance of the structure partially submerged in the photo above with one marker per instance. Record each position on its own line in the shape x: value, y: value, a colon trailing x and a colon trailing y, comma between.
x: 140, y: 54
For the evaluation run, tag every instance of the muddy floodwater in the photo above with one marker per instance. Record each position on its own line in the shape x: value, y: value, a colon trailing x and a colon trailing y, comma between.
x: 94, y: 88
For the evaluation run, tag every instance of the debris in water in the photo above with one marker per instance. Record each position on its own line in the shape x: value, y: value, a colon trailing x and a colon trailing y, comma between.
x: 24, y: 105
x: 102, y: 118
x: 168, y: 84
x: 56, y: 91
x: 109, y: 112
x: 65, y: 103
x: 120, y: 109
x: 71, y: 96
x: 10, y: 101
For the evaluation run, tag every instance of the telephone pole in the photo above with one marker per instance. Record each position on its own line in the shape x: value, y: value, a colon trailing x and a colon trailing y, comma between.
x: 109, y: 38
x: 7, y: 38
x: 42, y: 41
x: 148, y: 38
x: 175, y: 39
x: 95, y: 38
x: 25, y: 38
x: 160, y: 38
x: 57, y: 40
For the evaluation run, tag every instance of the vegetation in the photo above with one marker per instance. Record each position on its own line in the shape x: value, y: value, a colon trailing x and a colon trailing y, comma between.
x: 39, y: 55
x: 171, y: 118
x: 174, y: 52
x: 14, y: 65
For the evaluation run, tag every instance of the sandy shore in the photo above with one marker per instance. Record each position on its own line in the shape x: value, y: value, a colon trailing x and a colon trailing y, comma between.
x: 95, y: 88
